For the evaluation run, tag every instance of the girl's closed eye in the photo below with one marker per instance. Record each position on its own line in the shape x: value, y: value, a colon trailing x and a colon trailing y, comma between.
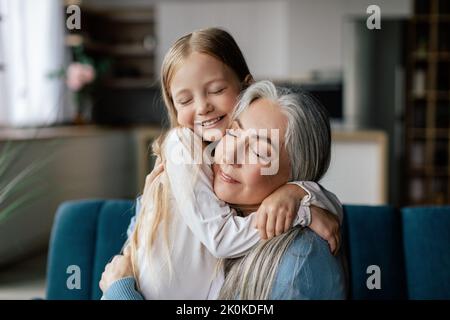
x: 184, y: 101
x: 217, y: 90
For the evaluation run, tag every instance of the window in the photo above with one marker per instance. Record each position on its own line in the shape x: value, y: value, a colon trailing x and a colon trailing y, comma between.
x: 31, y: 49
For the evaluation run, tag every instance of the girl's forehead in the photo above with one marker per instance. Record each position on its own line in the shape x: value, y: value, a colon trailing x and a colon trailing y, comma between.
x: 198, y: 65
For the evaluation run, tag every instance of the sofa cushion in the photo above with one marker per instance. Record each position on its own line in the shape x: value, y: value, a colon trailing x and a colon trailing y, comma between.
x: 372, y: 236
x: 426, y: 234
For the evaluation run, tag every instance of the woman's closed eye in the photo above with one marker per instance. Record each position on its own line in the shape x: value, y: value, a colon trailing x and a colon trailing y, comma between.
x: 264, y: 158
x: 261, y: 150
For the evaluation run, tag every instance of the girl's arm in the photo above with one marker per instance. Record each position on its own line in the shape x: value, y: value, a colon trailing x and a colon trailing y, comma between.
x: 212, y: 221
x: 320, y: 197
x: 318, y: 209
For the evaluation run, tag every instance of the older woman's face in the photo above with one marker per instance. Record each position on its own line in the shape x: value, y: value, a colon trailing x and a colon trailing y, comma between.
x: 253, y: 146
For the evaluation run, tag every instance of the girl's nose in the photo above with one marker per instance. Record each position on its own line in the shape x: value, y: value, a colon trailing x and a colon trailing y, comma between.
x: 204, y: 107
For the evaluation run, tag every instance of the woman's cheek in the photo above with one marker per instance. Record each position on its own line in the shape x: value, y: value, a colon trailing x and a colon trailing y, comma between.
x: 259, y: 185
x: 252, y: 178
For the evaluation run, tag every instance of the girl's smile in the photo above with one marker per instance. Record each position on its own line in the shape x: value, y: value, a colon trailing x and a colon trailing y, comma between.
x: 211, y: 123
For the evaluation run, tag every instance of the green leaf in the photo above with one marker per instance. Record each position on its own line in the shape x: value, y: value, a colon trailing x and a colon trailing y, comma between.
x: 8, y: 155
x: 19, y: 202
x: 28, y: 181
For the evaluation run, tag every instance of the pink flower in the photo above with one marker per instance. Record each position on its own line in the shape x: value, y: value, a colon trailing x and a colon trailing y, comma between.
x: 78, y: 75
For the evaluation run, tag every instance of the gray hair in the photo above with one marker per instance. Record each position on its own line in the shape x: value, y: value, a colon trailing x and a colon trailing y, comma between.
x: 308, y: 143
x: 308, y: 134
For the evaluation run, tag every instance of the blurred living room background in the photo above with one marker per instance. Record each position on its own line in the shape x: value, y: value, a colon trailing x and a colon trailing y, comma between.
x: 81, y: 104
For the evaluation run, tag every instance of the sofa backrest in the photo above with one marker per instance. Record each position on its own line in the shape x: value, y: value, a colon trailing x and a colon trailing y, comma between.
x: 426, y: 238
x: 86, y: 234
x: 372, y: 240
x: 411, y: 248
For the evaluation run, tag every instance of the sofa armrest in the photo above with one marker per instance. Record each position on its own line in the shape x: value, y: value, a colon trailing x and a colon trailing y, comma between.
x: 86, y: 234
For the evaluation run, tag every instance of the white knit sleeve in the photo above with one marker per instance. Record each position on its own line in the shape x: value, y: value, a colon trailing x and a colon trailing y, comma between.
x: 317, y: 196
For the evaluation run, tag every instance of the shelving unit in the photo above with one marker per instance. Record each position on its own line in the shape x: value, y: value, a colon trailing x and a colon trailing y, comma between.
x: 427, y: 119
x: 125, y: 37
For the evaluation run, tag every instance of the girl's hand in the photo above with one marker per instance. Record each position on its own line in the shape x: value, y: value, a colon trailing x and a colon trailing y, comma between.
x: 326, y: 225
x: 120, y: 267
x: 277, y: 212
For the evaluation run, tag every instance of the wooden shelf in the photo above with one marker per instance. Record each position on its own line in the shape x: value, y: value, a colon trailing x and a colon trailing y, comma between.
x: 119, y: 40
x: 65, y: 131
x: 427, y: 130
x: 432, y: 94
x: 129, y: 83
x: 123, y: 36
x: 134, y: 49
x: 129, y: 15
x: 427, y: 133
x: 436, y: 55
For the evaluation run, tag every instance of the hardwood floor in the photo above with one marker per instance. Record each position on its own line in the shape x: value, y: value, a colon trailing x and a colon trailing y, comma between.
x: 24, y: 280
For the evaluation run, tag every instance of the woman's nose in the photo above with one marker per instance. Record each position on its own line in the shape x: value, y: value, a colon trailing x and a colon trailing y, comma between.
x: 231, y: 152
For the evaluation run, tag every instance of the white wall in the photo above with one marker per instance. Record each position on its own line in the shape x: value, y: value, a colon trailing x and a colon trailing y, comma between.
x: 259, y: 28
x: 358, y: 168
x: 316, y: 30
x: 280, y: 39
x: 3, y: 97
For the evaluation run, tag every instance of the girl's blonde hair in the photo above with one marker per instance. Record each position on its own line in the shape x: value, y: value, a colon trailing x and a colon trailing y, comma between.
x: 155, y: 207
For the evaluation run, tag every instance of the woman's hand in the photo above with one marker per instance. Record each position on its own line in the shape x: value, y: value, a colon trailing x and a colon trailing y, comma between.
x: 120, y: 267
x: 277, y: 212
x: 326, y: 225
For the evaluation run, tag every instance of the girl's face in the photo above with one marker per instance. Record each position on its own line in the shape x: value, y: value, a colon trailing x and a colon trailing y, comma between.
x: 242, y: 182
x: 204, y: 93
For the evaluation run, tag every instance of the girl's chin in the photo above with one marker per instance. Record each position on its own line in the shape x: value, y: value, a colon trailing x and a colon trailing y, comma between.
x: 213, y: 134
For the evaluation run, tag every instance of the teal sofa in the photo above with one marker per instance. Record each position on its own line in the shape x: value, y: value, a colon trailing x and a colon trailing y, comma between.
x: 410, y: 246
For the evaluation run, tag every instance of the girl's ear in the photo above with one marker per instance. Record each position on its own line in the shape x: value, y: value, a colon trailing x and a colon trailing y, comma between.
x: 248, y: 80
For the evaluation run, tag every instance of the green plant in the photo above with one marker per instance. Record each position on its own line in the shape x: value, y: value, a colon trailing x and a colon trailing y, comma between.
x: 18, y: 190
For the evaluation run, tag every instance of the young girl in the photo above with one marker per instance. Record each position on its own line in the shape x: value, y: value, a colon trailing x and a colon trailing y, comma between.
x: 178, y: 237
